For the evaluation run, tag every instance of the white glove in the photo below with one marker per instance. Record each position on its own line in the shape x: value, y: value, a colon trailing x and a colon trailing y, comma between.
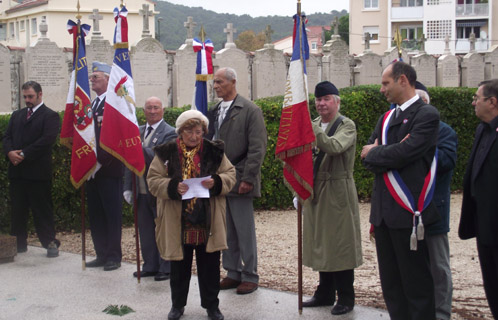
x: 294, y: 201
x: 127, y: 195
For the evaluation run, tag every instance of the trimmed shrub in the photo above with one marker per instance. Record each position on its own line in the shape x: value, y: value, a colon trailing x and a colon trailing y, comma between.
x: 363, y: 104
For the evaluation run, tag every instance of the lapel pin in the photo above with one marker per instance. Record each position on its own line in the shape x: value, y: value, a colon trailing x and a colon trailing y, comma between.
x: 405, y: 120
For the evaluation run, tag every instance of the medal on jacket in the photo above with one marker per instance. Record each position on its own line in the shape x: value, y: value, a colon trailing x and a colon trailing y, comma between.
x: 402, y: 195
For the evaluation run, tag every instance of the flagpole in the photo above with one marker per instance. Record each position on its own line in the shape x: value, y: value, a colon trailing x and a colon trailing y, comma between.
x: 75, y: 64
x: 299, y: 206
x: 135, y: 216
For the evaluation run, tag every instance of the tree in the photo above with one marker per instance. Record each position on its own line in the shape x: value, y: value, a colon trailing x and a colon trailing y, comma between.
x: 249, y: 41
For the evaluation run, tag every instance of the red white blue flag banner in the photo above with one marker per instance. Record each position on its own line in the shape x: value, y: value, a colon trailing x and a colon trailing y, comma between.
x: 77, y: 132
x: 203, y: 73
x: 295, y: 137
x: 120, y: 135
x: 401, y: 193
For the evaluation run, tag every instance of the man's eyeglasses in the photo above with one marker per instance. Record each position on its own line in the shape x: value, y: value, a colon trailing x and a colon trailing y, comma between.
x: 94, y: 77
x: 476, y: 97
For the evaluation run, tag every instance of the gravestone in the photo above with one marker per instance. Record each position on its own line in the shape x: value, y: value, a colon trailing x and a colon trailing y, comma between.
x: 448, y: 73
x: 472, y: 70
x: 239, y: 61
x: 99, y: 50
x: 6, y: 83
x: 145, y: 13
x: 96, y: 17
x: 150, y: 71
x: 491, y: 63
x: 47, y: 64
x: 366, y: 38
x: 392, y: 54
x: 425, y: 65
x: 367, y: 69
x: 269, y: 73
x: 314, y: 71
x: 336, y: 63
x: 190, y: 25
x: 230, y: 30
x: 184, y: 75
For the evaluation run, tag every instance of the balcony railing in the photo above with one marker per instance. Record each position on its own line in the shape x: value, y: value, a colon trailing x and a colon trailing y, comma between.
x: 463, y: 45
x: 407, y: 13
x: 471, y: 10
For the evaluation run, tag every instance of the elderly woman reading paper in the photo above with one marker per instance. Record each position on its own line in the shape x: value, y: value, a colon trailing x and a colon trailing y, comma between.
x: 197, y: 223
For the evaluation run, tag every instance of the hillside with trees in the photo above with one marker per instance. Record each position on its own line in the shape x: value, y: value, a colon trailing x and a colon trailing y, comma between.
x: 173, y: 33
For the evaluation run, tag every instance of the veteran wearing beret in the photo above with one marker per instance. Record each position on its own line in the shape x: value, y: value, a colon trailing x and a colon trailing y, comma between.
x: 331, y: 233
x: 105, y: 188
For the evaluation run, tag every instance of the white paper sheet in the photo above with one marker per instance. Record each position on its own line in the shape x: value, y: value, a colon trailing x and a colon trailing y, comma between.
x: 195, y: 188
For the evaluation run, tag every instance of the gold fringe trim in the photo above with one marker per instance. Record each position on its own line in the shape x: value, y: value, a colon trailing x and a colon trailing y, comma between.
x: 295, y: 151
x: 203, y: 77
x: 123, y: 160
x: 78, y: 184
x: 121, y: 45
x: 67, y: 142
x: 302, y: 182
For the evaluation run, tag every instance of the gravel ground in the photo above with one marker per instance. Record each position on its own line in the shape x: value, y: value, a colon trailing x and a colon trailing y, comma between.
x: 277, y: 249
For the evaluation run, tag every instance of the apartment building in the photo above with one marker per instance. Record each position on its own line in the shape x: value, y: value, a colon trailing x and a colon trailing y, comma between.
x: 434, y: 19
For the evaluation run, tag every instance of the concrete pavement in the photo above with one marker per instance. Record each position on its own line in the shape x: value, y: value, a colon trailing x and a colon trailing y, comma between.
x: 35, y: 287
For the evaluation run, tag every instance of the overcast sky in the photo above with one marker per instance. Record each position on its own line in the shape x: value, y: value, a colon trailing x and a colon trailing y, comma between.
x: 256, y: 8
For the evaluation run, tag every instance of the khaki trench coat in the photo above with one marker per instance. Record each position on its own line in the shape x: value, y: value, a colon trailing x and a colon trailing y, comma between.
x: 163, y: 180
x: 331, y: 231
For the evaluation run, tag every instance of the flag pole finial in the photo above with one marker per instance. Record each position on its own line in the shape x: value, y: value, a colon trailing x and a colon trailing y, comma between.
x: 78, y: 15
x: 397, y: 41
x: 202, y: 34
x: 298, y: 7
x: 122, y: 4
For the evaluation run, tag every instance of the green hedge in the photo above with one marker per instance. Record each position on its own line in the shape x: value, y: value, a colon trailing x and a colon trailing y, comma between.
x: 363, y: 104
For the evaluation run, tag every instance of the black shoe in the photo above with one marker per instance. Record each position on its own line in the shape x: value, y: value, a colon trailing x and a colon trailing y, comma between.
x: 111, y: 265
x: 94, y: 263
x: 161, y: 276
x: 215, y: 314
x: 52, y: 250
x: 317, y: 302
x: 144, y: 274
x: 341, y: 309
x: 175, y: 313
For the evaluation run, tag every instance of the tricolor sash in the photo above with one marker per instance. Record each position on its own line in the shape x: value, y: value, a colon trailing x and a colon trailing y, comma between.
x: 402, y: 195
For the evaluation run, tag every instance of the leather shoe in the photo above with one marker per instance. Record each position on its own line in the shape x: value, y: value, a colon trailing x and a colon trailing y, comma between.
x: 229, y: 283
x: 175, y: 313
x: 144, y: 274
x: 246, y: 287
x: 111, y: 265
x: 316, y: 302
x: 341, y: 309
x: 215, y: 314
x: 161, y: 276
x: 94, y: 263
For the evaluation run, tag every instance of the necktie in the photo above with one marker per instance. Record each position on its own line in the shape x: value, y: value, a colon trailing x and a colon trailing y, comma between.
x: 398, y: 111
x: 30, y: 113
x: 223, y: 112
x: 149, y: 130
x: 96, y: 103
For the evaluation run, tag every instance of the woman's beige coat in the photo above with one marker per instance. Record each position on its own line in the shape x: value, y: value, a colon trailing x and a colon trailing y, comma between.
x: 163, y: 178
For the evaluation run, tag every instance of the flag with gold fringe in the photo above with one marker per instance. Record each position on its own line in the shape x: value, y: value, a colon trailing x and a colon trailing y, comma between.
x: 295, y: 137
x: 120, y: 135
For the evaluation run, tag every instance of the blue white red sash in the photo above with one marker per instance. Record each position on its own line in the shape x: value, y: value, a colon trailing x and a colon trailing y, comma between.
x: 402, y: 195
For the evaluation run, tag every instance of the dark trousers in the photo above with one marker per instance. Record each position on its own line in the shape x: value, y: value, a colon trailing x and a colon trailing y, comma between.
x: 37, y: 196
x: 488, y: 257
x: 405, y: 275
x: 147, y: 231
x: 340, y: 282
x: 208, y: 272
x: 105, y: 202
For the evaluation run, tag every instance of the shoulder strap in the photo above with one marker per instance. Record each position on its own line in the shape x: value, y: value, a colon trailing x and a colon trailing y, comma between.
x: 321, y: 154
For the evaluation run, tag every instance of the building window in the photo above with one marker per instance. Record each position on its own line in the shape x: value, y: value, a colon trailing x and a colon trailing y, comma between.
x: 34, y: 27
x: 371, y: 4
x: 374, y: 33
x: 411, y: 3
x: 3, y: 31
x: 438, y: 29
x: 21, y: 25
x: 411, y: 33
x: 464, y: 32
x: 313, y: 46
x: 438, y: 2
x: 12, y: 30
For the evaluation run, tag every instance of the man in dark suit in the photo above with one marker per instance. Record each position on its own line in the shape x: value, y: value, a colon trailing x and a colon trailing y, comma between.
x: 480, y: 204
x: 105, y: 188
x: 154, y: 133
x: 406, y: 148
x: 28, y: 143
